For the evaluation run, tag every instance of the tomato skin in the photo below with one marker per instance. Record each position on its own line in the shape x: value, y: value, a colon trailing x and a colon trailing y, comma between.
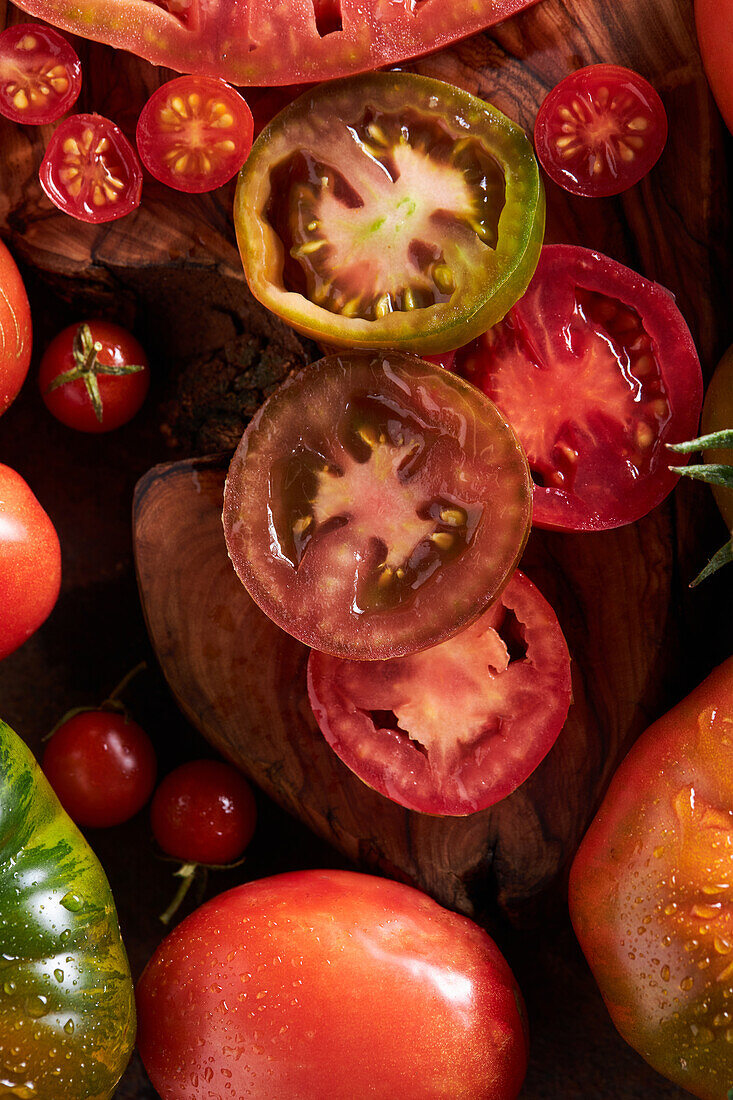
x: 51, y: 74
x: 650, y: 891
x: 15, y: 330
x: 30, y: 562
x: 364, y: 987
x: 204, y: 812
x: 714, y: 23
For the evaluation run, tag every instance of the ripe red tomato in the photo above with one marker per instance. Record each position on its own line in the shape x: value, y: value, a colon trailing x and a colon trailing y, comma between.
x: 94, y: 376
x: 651, y: 892
x: 194, y: 133
x: 204, y: 812
x: 40, y: 74
x: 596, y: 371
x: 30, y: 562
x: 15, y: 330
x: 600, y: 130
x: 102, y: 767
x: 714, y: 22
x: 90, y: 170
x: 330, y: 984
x: 457, y: 727
x: 376, y: 505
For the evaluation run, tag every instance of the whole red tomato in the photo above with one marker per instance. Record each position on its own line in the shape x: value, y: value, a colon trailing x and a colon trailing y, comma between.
x: 204, y: 812
x: 651, y: 892
x: 330, y: 984
x: 15, y: 330
x: 30, y: 562
x: 94, y: 376
x: 714, y: 21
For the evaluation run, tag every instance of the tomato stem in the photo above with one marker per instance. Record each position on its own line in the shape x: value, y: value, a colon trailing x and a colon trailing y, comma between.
x: 187, y: 873
x: 116, y: 692
x: 87, y: 366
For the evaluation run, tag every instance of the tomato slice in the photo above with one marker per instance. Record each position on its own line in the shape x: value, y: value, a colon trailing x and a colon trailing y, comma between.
x: 90, y: 170
x: 40, y: 74
x: 600, y: 130
x: 194, y: 133
x: 390, y: 210
x: 459, y: 726
x: 376, y: 505
x: 596, y: 371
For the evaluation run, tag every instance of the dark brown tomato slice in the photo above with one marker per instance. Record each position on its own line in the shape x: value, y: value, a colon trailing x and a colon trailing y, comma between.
x: 600, y: 130
x: 40, y: 74
x: 376, y: 505
x: 596, y: 371
x: 457, y: 727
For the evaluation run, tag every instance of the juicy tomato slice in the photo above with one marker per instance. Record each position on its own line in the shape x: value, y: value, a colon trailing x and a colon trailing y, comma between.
x: 40, y: 74
x: 459, y: 726
x: 90, y: 171
x: 376, y: 505
x: 600, y: 130
x: 596, y: 371
x: 194, y: 133
x: 390, y: 210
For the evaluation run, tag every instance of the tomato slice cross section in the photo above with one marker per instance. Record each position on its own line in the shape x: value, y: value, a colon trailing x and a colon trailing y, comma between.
x: 376, y: 504
x: 40, y: 74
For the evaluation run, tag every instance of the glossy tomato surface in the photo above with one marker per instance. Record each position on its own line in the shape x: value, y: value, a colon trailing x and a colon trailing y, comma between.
x: 267, y: 43
x: 651, y: 892
x: 330, y: 984
x: 457, y: 727
x: 40, y: 74
x: 30, y: 562
x: 376, y: 504
x: 390, y: 210
x: 714, y: 22
x: 90, y: 171
x: 194, y: 133
x: 16, y: 335
x: 204, y: 812
x: 596, y: 371
x: 600, y: 130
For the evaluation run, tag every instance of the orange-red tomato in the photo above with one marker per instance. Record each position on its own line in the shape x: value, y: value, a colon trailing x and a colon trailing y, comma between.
x: 15, y: 330
x: 714, y: 21
x: 651, y: 892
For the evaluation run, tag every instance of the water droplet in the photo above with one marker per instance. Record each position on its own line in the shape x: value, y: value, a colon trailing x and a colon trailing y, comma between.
x: 665, y: 974
x: 58, y: 975
x: 9, y: 988
x: 69, y: 1027
x: 686, y: 983
x: 73, y: 902
x: 37, y: 1006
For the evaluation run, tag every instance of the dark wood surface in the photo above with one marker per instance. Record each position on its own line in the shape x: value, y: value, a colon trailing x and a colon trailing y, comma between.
x: 172, y: 272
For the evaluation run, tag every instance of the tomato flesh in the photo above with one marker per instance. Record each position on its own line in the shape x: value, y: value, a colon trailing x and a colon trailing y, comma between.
x: 600, y: 130
x: 375, y: 505
x: 40, y: 74
x: 596, y: 370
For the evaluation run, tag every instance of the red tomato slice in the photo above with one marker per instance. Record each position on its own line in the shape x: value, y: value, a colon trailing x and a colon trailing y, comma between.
x: 459, y: 726
x: 600, y: 130
x: 596, y: 371
x: 90, y: 170
x: 376, y: 505
x: 40, y: 74
x: 194, y: 133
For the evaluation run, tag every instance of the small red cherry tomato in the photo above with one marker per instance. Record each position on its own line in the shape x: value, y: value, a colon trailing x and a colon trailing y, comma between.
x: 102, y: 767
x: 600, y: 130
x: 90, y: 171
x: 94, y: 376
x: 194, y: 133
x: 204, y: 812
x: 40, y: 74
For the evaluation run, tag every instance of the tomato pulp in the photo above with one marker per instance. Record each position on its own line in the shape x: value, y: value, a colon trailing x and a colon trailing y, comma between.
x: 40, y: 74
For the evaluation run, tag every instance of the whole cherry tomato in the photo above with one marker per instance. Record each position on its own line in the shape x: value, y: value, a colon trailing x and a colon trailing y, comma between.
x: 204, y: 812
x: 15, y: 330
x: 94, y: 376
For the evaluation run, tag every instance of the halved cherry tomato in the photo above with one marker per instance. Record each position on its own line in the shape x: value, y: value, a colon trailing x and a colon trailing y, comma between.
x: 194, y: 133
x: 90, y: 170
x: 390, y: 210
x: 596, y: 370
x: 376, y: 505
x: 459, y: 726
x: 40, y: 74
x: 600, y: 130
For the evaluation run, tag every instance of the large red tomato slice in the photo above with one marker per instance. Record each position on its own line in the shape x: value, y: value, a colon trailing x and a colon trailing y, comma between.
x: 376, y: 505
x: 263, y: 42
x: 596, y: 371
x: 455, y: 728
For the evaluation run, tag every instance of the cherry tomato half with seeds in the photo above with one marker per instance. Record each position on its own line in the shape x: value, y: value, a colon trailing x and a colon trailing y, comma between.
x: 600, y: 130
x: 194, y: 133
x: 90, y: 171
x: 94, y: 376
x: 376, y: 505
x: 459, y: 726
x: 40, y: 74
x: 596, y: 370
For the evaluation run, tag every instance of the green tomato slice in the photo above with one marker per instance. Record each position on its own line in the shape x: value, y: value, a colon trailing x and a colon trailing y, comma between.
x: 390, y: 210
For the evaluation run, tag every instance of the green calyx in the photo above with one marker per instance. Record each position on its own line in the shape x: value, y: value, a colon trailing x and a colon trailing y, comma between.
x: 87, y: 368
x: 713, y: 473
